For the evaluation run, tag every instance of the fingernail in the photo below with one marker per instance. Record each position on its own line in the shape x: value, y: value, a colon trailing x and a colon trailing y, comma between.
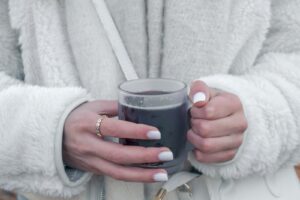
x: 165, y: 156
x: 199, y: 97
x: 154, y: 135
x: 160, y: 177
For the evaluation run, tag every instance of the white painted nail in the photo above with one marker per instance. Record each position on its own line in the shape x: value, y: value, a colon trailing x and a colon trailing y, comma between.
x: 154, y: 135
x: 199, y: 97
x: 160, y: 177
x: 165, y: 156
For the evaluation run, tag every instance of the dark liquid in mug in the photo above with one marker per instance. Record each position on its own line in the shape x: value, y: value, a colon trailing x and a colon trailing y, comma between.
x: 172, y: 122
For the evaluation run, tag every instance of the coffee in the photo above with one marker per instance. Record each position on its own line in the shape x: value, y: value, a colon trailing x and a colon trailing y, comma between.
x: 170, y: 121
x: 161, y: 103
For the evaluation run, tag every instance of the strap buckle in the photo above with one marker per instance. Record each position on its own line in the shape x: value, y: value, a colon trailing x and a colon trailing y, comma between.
x: 186, y: 188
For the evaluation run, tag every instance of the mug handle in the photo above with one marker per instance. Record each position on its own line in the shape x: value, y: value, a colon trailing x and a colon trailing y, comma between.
x: 188, y: 145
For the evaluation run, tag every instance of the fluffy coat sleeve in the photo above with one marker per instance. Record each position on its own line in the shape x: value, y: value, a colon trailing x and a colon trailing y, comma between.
x: 270, y: 93
x: 31, y: 125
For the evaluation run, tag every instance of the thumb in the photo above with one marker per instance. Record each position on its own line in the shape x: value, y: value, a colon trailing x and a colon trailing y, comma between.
x: 199, y: 93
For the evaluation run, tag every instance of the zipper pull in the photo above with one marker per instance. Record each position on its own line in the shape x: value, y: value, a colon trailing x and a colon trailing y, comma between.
x: 160, y: 194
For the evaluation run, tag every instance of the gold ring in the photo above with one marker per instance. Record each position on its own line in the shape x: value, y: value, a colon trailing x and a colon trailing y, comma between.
x: 98, y: 125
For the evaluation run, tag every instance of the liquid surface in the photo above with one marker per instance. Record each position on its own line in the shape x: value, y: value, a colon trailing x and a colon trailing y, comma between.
x: 152, y: 92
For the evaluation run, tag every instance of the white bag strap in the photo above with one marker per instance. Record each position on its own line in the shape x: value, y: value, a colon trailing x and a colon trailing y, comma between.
x: 130, y: 74
x: 115, y: 39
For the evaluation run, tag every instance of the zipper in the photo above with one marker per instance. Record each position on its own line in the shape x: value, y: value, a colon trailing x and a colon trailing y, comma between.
x: 102, y: 193
x: 96, y: 189
x: 100, y: 189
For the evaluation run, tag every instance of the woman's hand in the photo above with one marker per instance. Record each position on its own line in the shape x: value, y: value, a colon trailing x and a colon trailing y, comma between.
x: 83, y: 149
x: 218, y: 123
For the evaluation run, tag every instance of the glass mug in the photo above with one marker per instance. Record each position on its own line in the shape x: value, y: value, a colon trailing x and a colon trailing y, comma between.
x: 164, y: 104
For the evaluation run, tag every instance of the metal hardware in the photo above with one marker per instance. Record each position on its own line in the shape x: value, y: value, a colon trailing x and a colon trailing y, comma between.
x: 185, y: 188
x: 160, y: 194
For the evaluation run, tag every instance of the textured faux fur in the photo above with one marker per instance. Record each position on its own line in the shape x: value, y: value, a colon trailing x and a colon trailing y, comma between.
x: 249, y: 47
x: 270, y: 93
x: 31, y: 115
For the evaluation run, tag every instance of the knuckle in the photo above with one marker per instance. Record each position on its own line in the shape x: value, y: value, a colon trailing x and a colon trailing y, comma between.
x: 146, y: 155
x: 209, y: 111
x: 194, y: 112
x: 234, y: 99
x: 80, y: 125
x: 205, y: 146
x: 82, y: 149
x: 239, y: 141
x: 95, y: 169
x: 190, y: 135
x: 244, y: 124
x: 117, y: 175
x: 230, y: 155
x: 76, y: 144
x: 194, y: 122
x: 100, y: 104
x: 189, y: 132
x: 203, y: 128
x: 199, y: 156
x: 118, y: 158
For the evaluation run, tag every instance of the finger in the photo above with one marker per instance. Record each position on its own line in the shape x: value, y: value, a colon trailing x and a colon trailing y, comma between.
x: 236, y: 123
x: 218, y: 107
x: 114, y: 152
x: 199, y: 93
x: 104, y: 107
x: 125, y: 173
x: 219, y: 157
x: 214, y: 145
x: 127, y: 155
x: 117, y: 153
x: 123, y: 129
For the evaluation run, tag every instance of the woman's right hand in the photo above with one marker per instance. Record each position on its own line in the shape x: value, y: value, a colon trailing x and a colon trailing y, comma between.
x: 83, y: 149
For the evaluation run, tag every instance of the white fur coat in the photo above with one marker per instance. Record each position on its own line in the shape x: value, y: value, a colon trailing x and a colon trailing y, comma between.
x: 54, y: 54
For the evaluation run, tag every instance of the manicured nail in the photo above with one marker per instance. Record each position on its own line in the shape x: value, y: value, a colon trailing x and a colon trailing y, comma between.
x: 154, y: 135
x: 199, y: 97
x: 160, y: 177
x: 165, y: 156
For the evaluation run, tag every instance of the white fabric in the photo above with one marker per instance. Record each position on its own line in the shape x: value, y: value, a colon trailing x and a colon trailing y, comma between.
x: 115, y: 39
x: 31, y: 115
x: 248, y: 47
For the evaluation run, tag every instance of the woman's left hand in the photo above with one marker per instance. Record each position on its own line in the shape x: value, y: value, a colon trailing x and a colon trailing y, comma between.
x: 218, y: 123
